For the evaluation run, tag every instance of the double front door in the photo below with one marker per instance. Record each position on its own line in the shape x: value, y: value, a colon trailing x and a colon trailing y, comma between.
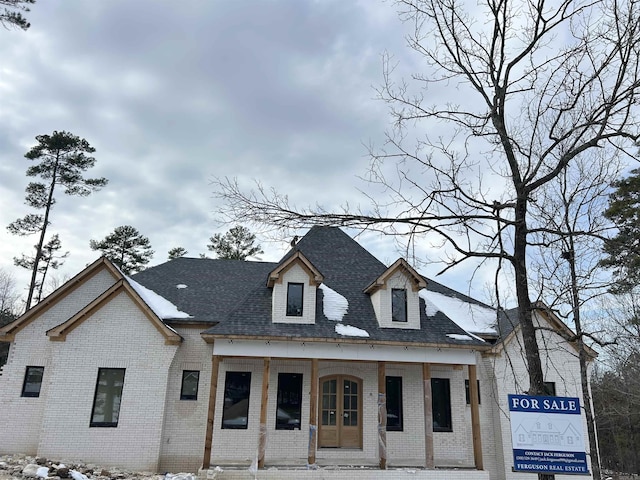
x: 340, y: 412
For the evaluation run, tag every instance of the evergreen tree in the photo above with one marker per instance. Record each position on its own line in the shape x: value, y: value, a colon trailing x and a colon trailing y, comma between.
x: 622, y: 252
x: 9, y: 18
x: 63, y: 158
x: 237, y: 244
x: 50, y: 259
x: 177, y: 252
x: 126, y: 248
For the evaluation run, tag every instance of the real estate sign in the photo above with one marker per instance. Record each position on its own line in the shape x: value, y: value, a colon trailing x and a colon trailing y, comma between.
x: 547, y: 435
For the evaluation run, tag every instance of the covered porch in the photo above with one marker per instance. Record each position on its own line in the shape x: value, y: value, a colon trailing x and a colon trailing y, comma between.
x: 343, y: 424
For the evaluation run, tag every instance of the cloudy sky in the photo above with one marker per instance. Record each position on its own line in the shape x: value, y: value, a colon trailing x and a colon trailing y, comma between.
x: 173, y: 94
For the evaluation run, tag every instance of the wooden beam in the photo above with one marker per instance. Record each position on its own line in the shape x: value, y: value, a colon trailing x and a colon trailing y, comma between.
x: 382, y: 415
x: 313, y: 414
x: 475, y: 418
x: 428, y: 416
x: 262, y: 435
x: 215, y: 366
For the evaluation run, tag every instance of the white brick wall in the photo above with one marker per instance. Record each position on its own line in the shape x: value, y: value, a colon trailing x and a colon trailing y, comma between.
x: 118, y: 335
x: 295, y: 274
x: 185, y: 421
x: 21, y: 418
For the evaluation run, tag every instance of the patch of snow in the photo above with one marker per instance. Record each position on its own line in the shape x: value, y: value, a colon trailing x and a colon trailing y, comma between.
x: 470, y: 317
x: 334, y: 305
x: 181, y: 285
x: 350, y: 331
x: 162, y: 307
x: 43, y: 472
x: 77, y: 475
x: 457, y: 336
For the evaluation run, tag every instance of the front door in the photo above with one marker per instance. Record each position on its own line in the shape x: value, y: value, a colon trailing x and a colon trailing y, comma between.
x: 340, y: 412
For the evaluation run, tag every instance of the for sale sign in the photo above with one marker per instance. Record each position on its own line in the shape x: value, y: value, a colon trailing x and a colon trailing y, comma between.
x: 547, y: 435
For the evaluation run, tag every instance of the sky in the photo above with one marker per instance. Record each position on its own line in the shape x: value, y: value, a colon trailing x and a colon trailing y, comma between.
x: 175, y: 94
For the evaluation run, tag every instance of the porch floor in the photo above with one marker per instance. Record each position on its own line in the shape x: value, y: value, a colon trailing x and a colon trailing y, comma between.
x: 340, y: 473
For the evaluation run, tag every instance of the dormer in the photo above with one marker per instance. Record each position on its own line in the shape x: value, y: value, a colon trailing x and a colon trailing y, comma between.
x: 293, y: 298
x: 394, y: 296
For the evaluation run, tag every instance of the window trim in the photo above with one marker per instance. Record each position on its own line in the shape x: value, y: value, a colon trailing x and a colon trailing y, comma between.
x: 186, y: 396
x: 393, y: 302
x: 400, y: 427
x: 93, y: 423
x: 224, y: 394
x: 281, y: 375
x: 287, y: 311
x: 447, y: 382
x: 24, y: 393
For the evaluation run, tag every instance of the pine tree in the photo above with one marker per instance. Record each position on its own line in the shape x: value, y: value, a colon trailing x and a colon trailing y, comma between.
x: 237, y: 244
x: 126, y: 248
x: 623, y: 250
x: 63, y: 158
x: 10, y: 18
x: 177, y: 252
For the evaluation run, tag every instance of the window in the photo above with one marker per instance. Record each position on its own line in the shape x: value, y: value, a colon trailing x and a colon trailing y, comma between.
x: 237, y: 387
x: 294, y: 299
x: 468, y: 394
x: 398, y: 305
x: 189, y: 389
x: 550, y: 389
x: 289, y: 408
x: 394, y: 404
x: 32, y: 382
x: 441, y: 405
x: 106, y: 402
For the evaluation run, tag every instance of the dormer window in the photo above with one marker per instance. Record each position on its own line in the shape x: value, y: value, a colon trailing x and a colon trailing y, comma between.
x: 399, y: 305
x: 294, y: 299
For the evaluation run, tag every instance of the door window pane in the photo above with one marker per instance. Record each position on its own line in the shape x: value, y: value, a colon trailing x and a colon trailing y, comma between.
x: 237, y: 388
x: 289, y: 409
x: 108, y: 396
x: 468, y: 394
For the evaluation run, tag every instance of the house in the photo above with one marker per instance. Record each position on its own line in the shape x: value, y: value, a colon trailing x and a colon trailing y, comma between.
x: 328, y: 357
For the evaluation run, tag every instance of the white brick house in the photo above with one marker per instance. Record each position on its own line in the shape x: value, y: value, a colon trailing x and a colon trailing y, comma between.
x: 326, y: 358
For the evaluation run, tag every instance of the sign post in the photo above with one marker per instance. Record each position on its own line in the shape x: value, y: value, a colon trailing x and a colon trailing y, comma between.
x: 547, y: 435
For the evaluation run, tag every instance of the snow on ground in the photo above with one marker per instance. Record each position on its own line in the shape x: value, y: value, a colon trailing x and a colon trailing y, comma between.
x: 470, y: 317
x: 162, y: 307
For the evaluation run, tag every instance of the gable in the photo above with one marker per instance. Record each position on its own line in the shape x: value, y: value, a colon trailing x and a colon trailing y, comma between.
x: 87, y: 284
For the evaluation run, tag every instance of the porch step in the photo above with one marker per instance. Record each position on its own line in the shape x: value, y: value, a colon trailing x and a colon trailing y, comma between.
x: 340, y: 473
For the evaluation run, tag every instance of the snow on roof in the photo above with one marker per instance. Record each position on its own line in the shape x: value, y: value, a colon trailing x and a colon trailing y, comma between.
x: 334, y: 305
x: 470, y: 317
x: 350, y: 331
x: 457, y: 336
x: 162, y: 307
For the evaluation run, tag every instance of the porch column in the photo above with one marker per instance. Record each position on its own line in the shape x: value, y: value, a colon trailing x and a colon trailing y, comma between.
x: 262, y: 435
x: 428, y: 416
x: 215, y: 364
x: 475, y: 417
x: 382, y: 415
x: 313, y: 414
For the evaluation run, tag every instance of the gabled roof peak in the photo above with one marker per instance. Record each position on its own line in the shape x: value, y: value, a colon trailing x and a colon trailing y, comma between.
x: 400, y: 265
x: 297, y: 258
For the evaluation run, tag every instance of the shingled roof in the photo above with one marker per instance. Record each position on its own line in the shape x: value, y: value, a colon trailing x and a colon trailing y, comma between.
x: 232, y: 298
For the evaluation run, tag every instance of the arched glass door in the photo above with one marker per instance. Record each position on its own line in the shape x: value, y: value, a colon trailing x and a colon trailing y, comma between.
x: 340, y: 412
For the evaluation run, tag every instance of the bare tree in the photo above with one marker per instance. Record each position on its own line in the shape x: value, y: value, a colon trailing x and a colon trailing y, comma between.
x: 543, y: 83
x: 14, y: 17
